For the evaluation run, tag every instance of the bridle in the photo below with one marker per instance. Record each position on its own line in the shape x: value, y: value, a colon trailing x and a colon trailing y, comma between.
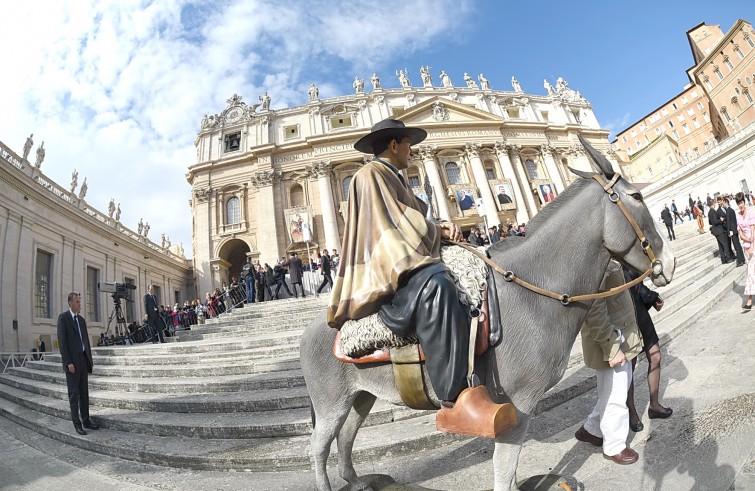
x: 656, y: 267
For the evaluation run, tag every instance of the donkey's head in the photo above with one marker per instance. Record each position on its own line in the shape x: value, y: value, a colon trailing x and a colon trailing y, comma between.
x: 629, y: 231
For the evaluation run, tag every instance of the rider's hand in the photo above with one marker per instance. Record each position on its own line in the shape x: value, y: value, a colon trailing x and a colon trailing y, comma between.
x: 619, y: 360
x: 449, y: 230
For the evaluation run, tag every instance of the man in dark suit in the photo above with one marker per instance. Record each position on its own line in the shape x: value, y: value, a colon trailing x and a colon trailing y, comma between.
x: 327, y: 279
x: 152, y: 309
x: 296, y: 273
x: 77, y: 362
x: 731, y: 229
x: 716, y: 219
x: 666, y: 217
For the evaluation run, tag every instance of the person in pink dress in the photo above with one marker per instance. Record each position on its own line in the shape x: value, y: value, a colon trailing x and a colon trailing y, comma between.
x: 746, y: 229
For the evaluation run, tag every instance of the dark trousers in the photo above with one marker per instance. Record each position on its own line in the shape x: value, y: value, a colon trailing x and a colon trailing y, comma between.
x: 157, y: 328
x: 428, y: 305
x: 282, y: 283
x: 78, y: 390
x: 724, y: 250
x: 249, y: 289
x: 738, y: 247
x: 671, y: 234
x: 326, y: 280
x: 301, y: 287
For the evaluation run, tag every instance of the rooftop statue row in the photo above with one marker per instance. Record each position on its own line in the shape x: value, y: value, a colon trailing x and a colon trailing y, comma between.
x: 238, y: 110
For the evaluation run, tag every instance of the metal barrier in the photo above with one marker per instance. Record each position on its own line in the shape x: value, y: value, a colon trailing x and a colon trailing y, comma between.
x: 18, y: 359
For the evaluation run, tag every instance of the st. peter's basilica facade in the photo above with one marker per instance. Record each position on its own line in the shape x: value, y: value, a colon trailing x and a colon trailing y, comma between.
x: 270, y: 182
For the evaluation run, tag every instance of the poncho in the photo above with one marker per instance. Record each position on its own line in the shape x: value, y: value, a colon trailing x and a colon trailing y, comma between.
x: 386, y: 238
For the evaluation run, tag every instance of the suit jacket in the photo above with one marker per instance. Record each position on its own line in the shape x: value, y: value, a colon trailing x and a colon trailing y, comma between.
x: 325, y: 264
x: 70, y: 344
x: 152, y: 309
x: 731, y: 220
x: 666, y: 216
x: 714, y: 219
x: 295, y: 269
x: 600, y: 339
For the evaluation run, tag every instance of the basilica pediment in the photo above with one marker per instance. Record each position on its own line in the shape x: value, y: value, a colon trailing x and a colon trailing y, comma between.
x: 442, y: 111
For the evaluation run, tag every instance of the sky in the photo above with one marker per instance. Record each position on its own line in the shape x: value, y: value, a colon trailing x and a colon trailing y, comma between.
x: 117, y: 89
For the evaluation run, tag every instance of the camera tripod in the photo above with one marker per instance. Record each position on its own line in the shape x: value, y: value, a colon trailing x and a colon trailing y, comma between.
x: 120, y: 321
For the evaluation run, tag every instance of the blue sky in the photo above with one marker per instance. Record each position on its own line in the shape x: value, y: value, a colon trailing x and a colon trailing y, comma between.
x: 117, y: 88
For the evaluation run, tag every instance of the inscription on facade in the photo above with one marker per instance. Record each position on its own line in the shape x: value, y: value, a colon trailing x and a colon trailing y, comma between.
x: 462, y: 133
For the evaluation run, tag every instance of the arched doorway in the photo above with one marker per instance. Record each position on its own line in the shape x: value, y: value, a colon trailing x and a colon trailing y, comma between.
x: 234, y: 252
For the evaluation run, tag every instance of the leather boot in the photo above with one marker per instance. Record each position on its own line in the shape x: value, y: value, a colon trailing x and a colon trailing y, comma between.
x: 475, y: 414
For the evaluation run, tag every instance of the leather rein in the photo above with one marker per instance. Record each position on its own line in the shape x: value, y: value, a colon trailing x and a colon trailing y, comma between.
x: 655, y: 265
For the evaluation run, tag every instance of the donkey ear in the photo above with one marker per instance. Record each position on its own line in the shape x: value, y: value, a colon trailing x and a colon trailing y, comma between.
x: 597, y: 158
x: 581, y: 173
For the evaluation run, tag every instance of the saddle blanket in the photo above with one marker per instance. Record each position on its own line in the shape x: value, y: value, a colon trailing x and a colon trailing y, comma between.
x: 363, y: 336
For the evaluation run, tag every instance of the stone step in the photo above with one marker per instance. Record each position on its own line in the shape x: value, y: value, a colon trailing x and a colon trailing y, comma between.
x: 200, y: 401
x: 253, y: 454
x: 224, y: 425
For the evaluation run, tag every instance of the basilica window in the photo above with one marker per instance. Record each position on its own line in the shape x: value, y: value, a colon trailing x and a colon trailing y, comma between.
x: 43, y: 285
x: 513, y: 113
x: 340, y: 122
x: 93, y: 300
x: 728, y: 64
x: 296, y: 195
x: 718, y: 74
x: 453, y: 174
x: 490, y: 170
x: 739, y: 52
x: 413, y: 180
x: 531, y: 167
x: 747, y: 94
x: 232, y: 142
x: 544, y: 114
x: 291, y: 132
x: 233, y: 211
x: 345, y: 187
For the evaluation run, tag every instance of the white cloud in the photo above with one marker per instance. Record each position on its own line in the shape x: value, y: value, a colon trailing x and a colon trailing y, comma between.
x: 116, y: 89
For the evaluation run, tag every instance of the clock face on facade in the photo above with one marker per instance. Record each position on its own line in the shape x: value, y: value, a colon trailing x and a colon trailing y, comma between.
x: 233, y: 115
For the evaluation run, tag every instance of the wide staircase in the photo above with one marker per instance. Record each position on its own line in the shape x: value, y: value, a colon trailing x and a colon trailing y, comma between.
x: 230, y: 394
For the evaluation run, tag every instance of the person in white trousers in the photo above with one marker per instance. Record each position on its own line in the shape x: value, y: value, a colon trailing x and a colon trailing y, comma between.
x: 610, y: 340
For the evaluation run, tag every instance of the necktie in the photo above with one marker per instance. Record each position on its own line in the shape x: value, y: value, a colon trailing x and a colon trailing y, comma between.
x: 78, y: 329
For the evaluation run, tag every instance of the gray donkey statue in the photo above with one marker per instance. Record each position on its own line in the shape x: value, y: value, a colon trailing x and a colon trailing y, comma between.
x: 567, y: 249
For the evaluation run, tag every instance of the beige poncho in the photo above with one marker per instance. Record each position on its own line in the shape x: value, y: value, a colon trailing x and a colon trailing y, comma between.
x: 386, y: 237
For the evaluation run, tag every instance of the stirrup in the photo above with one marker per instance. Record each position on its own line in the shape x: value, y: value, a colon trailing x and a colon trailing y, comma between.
x: 475, y: 414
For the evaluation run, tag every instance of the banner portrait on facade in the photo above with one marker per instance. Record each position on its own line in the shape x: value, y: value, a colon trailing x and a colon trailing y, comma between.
x: 299, y: 223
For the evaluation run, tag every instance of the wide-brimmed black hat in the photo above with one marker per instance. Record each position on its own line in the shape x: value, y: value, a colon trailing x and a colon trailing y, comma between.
x: 389, y: 127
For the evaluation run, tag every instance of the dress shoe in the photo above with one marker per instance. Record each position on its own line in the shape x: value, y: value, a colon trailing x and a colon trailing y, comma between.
x: 585, y: 436
x: 636, y: 427
x: 475, y: 414
x: 626, y: 457
x: 747, y: 306
x: 740, y: 264
x: 80, y: 430
x: 652, y: 414
x: 91, y: 425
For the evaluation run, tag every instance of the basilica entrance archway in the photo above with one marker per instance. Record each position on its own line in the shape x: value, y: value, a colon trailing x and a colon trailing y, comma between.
x: 234, y: 252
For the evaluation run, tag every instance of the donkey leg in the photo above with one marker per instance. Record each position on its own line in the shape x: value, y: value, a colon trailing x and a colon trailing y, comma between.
x: 328, y: 423
x: 506, y: 454
x: 359, y: 411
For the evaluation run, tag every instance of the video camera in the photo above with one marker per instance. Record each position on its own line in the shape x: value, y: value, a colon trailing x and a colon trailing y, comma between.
x: 118, y: 290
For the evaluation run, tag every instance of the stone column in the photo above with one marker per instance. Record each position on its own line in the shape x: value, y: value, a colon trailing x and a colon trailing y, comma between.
x: 267, y: 233
x: 489, y: 209
x: 427, y: 154
x: 322, y: 171
x: 550, y: 164
x: 507, y: 170
x: 529, y: 199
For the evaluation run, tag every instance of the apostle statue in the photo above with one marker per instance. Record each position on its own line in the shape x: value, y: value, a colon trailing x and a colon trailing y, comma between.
x: 403, y: 78
x: 28, y: 145
x: 515, y: 84
x: 445, y: 80
x: 358, y: 85
x: 40, y: 155
x: 548, y: 87
x: 84, y: 189
x: 470, y: 81
x: 375, y: 82
x: 427, y: 79
x: 162, y: 240
x: 140, y: 227
x: 265, y: 101
x: 118, y: 213
x: 146, y: 229
x: 111, y: 207
x: 314, y: 92
x: 74, y: 179
x: 484, y: 84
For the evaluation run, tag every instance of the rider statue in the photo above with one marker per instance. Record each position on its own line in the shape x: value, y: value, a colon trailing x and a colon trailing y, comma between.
x: 404, y: 280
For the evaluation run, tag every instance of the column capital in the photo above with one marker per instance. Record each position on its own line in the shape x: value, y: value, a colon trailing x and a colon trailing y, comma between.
x: 576, y: 149
x: 265, y: 178
x: 202, y: 194
x: 547, y: 149
x: 472, y: 149
x: 320, y: 168
x: 427, y: 152
x: 502, y: 146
